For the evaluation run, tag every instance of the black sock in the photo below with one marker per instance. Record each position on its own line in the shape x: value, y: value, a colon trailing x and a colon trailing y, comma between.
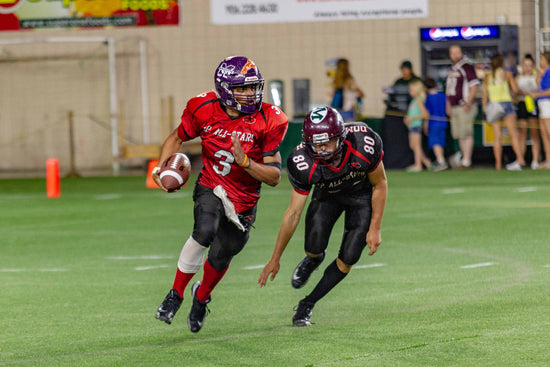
x: 331, y: 277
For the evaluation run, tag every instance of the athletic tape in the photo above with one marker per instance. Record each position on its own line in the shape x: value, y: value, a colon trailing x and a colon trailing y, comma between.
x: 191, y: 257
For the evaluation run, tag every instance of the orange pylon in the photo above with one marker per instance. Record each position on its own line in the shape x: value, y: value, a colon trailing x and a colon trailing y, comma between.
x: 149, y: 182
x: 53, y: 183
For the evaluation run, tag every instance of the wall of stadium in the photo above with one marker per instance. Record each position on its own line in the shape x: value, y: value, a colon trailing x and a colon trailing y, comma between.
x: 37, y: 92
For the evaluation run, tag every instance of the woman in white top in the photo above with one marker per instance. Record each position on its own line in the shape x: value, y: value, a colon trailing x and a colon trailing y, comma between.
x: 527, y: 82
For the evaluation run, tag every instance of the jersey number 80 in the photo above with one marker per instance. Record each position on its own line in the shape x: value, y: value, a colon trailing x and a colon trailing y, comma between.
x: 301, y: 164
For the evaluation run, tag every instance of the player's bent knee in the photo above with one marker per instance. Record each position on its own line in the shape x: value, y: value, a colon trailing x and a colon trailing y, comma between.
x: 349, y: 259
x: 191, y: 256
x: 205, y: 232
x: 219, y: 263
x: 343, y: 266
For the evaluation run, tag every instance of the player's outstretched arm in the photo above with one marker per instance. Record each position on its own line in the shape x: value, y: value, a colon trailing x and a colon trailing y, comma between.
x: 379, y: 194
x: 170, y: 146
x: 290, y: 221
x: 265, y: 173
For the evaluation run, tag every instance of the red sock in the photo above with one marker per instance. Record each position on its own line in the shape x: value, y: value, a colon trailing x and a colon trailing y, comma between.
x: 181, y: 281
x: 210, y: 278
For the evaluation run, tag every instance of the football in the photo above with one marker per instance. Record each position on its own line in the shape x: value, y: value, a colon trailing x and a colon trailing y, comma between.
x: 175, y: 171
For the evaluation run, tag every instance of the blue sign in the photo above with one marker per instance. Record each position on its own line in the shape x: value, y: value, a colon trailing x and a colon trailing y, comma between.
x: 459, y: 33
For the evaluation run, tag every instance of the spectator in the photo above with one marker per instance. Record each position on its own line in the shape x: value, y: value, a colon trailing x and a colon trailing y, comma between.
x: 347, y: 93
x: 526, y: 111
x: 437, y: 123
x: 399, y: 97
x: 497, y: 105
x: 461, y: 89
x: 416, y: 114
x: 543, y: 102
x: 510, y: 63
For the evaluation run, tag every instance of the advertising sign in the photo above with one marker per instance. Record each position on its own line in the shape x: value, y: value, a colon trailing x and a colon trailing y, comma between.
x: 459, y: 33
x: 281, y: 11
x: 31, y: 14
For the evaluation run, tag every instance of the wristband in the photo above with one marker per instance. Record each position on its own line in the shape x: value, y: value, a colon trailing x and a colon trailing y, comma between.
x: 155, y: 170
x: 244, y: 162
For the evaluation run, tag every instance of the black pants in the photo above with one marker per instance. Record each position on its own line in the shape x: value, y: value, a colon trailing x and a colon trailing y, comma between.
x: 213, y: 230
x: 321, y: 216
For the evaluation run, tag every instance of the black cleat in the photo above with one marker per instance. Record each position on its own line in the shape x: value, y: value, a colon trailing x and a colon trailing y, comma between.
x: 304, y: 269
x: 303, y: 313
x: 171, y: 304
x: 198, y: 312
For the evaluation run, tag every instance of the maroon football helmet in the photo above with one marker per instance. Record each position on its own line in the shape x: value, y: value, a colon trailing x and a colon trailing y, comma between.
x: 320, y: 126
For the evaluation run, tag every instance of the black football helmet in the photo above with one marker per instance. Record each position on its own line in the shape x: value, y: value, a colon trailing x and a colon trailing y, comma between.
x: 320, y: 126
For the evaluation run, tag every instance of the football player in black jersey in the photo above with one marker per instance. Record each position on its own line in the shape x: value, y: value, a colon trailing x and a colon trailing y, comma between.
x: 344, y: 163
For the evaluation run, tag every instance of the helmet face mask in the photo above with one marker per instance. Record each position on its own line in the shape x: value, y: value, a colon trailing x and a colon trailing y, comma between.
x: 249, y: 93
x: 321, y: 126
x: 332, y: 147
x: 238, y: 72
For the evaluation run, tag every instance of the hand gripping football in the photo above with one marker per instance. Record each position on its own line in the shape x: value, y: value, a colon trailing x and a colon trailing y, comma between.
x: 174, y: 172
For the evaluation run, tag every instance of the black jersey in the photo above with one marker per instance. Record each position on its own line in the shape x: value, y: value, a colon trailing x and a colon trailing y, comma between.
x: 362, y: 153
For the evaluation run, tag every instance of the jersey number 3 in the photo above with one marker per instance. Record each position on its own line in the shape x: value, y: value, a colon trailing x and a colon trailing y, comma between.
x: 224, y: 167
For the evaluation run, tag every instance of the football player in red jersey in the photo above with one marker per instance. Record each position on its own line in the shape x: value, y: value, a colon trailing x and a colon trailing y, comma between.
x: 240, y: 149
x: 344, y: 163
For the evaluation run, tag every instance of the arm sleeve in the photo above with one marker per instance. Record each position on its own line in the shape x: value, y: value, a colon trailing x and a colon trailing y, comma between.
x: 277, y: 125
x: 298, y: 178
x: 186, y: 128
x: 378, y: 152
x: 191, y: 121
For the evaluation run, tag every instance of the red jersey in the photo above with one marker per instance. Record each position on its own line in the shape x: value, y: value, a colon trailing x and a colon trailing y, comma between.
x: 260, y: 134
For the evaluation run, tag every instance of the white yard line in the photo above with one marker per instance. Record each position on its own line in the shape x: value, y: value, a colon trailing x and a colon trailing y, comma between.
x: 143, y: 257
x: 526, y: 189
x: 366, y: 266
x: 480, y: 265
x: 52, y: 270
x: 152, y: 267
x: 107, y: 197
x: 253, y: 267
x: 45, y: 270
x: 7, y: 270
x: 455, y: 190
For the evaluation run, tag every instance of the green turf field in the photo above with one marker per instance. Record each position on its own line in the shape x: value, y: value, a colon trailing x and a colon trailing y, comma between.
x: 461, y: 279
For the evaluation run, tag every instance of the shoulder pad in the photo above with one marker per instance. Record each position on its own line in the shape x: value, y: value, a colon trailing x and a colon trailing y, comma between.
x: 357, y: 127
x: 204, y: 98
x: 274, y: 113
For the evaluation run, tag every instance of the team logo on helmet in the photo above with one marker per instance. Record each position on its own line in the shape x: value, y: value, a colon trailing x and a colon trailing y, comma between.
x: 318, y: 115
x: 224, y: 70
x: 249, y: 65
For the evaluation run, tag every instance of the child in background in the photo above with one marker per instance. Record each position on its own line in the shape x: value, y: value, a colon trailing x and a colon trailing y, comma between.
x: 437, y: 123
x: 414, y: 120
